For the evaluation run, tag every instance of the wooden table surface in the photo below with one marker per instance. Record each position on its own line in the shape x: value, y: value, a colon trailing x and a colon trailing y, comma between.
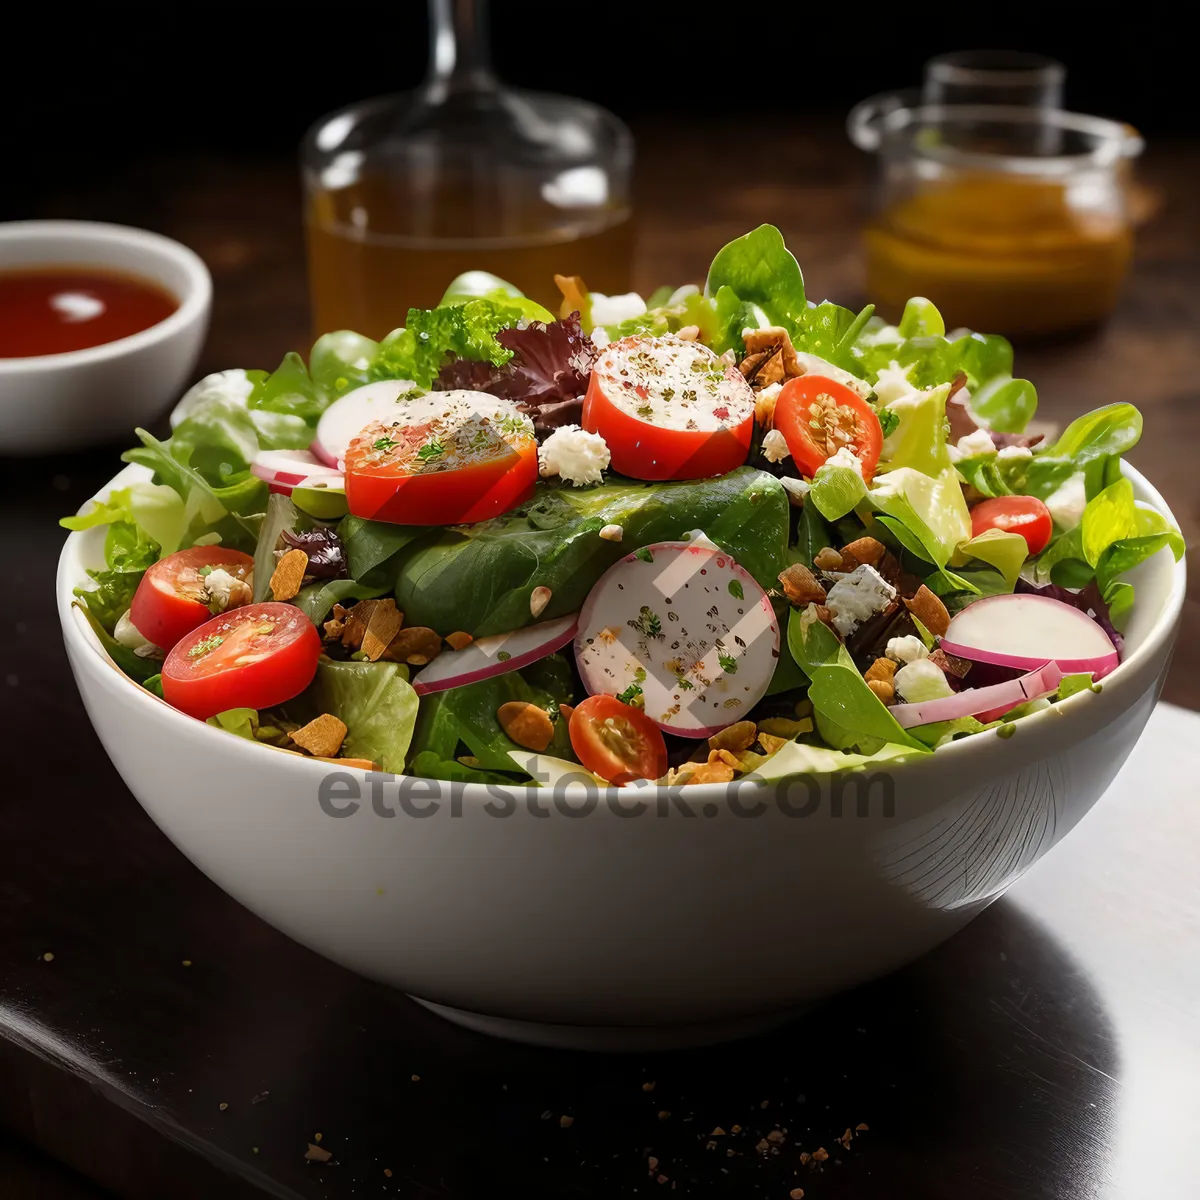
x: 1047, y: 1051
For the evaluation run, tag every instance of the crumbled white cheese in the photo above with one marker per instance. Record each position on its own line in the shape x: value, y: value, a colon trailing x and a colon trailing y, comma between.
x: 973, y: 445
x: 232, y: 385
x: 1014, y: 452
x: 764, y: 403
x: 906, y: 649
x: 612, y: 310
x: 612, y: 533
x: 845, y: 457
x: 226, y: 590
x: 775, y: 447
x: 857, y: 597
x: 921, y: 680
x: 796, y: 489
x: 600, y: 337
x: 126, y: 632
x: 813, y: 364
x: 574, y: 455
x: 893, y: 383
x: 1066, y: 505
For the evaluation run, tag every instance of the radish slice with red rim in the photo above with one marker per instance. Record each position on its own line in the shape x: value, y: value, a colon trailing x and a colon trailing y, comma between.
x: 991, y: 702
x: 685, y: 631
x: 495, y: 655
x: 288, y: 469
x: 1024, y: 631
x: 349, y: 415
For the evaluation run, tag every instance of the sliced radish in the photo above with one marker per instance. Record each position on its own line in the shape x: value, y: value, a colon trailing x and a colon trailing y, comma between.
x: 1023, y: 632
x: 986, y: 702
x: 288, y: 469
x: 494, y: 655
x: 346, y: 418
x: 686, y: 625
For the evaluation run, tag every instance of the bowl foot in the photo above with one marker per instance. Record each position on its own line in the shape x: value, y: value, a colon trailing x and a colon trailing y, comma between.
x: 614, y: 1038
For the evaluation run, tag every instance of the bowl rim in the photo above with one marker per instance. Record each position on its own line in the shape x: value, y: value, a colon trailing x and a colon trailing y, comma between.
x: 79, y: 636
x: 193, y: 304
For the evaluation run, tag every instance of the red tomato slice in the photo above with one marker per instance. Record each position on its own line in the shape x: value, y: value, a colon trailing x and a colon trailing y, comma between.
x: 1025, y: 515
x: 617, y: 742
x: 251, y: 657
x: 171, y: 600
x: 458, y: 457
x: 669, y: 409
x: 818, y: 416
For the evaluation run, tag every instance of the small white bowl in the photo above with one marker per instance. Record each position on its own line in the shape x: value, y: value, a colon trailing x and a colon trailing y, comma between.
x: 54, y: 402
x: 608, y: 930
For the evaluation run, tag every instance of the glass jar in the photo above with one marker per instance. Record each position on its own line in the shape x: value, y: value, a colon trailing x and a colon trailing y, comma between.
x: 403, y: 193
x: 1011, y: 219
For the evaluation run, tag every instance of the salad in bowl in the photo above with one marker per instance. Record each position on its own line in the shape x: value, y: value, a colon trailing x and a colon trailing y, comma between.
x: 713, y: 534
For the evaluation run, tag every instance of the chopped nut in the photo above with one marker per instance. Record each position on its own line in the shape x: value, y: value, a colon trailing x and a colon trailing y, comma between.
x: 458, y: 640
x: 382, y: 626
x: 526, y: 724
x: 664, y: 1115
x: 355, y: 621
x: 706, y: 772
x: 781, y: 727
x: 805, y: 1158
x: 846, y: 1139
x: 771, y: 744
x: 538, y: 599
x: 820, y: 1154
x: 737, y: 737
x: 863, y: 551
x: 321, y: 737
x: 800, y: 585
x: 689, y: 333
x: 763, y: 368
x: 930, y: 611
x: 565, y: 1122
x: 770, y: 351
x: 289, y: 575
x: 724, y: 756
x: 612, y: 533
x: 416, y: 645
x: 884, y: 690
x: 316, y: 1153
x: 718, y: 1132
x: 882, y: 669
x: 762, y: 1145
x: 796, y: 1194
x: 825, y: 616
x: 775, y: 1137
x: 861, y: 1127
x: 334, y: 629
x: 828, y: 559
x: 565, y: 711
x: 649, y: 1085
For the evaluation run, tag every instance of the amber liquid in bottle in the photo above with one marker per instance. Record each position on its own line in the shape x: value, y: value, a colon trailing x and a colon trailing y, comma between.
x: 377, y: 248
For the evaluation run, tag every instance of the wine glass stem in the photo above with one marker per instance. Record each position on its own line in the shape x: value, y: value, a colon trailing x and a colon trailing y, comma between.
x: 458, y: 46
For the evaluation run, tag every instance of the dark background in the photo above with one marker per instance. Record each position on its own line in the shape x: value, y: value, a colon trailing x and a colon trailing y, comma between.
x: 87, y: 89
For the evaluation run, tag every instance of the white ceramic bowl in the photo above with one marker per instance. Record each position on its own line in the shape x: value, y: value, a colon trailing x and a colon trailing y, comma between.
x: 608, y: 930
x: 55, y: 402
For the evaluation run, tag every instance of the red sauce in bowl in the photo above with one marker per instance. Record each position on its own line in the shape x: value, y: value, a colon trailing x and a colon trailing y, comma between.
x: 52, y: 310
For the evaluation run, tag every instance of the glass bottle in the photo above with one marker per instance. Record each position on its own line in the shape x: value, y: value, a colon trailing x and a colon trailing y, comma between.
x: 405, y: 192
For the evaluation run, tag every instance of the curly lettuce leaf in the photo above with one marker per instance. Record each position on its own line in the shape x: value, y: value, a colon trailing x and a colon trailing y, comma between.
x: 483, y: 285
x: 465, y: 329
x: 848, y: 714
x: 478, y: 578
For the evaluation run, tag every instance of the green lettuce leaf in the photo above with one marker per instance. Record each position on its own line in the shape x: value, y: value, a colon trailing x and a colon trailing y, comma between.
x: 240, y: 721
x: 374, y: 700
x: 919, y: 439
x: 760, y: 270
x: 662, y: 317
x: 1006, y: 552
x: 1005, y: 404
x: 836, y: 491
x: 938, y: 733
x: 921, y: 318
x: 136, y: 667
x: 483, y: 285
x: 848, y: 714
x: 370, y: 544
x: 934, y: 359
x: 479, y: 578
x: 317, y: 600
x: 341, y: 361
x: 1109, y: 517
x: 927, y: 514
x: 1074, y: 683
x: 802, y: 758
x: 466, y: 716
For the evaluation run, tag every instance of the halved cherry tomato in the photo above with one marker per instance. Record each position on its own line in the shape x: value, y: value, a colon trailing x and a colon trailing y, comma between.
x: 818, y: 416
x: 458, y: 457
x: 669, y: 409
x: 171, y: 599
x: 250, y: 657
x: 616, y: 741
x: 1025, y: 515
